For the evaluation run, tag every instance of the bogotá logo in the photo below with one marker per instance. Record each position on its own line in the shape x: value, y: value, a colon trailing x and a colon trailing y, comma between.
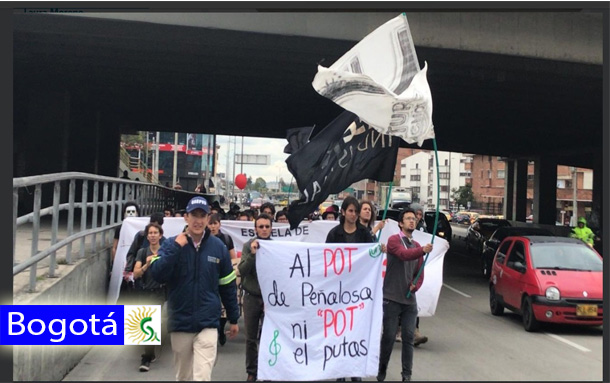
x: 142, y: 325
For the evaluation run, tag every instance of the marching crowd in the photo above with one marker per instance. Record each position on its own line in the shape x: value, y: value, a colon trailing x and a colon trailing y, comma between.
x: 199, y: 277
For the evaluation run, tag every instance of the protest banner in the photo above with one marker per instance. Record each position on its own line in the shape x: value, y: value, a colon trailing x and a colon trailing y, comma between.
x: 323, y: 310
x: 314, y: 232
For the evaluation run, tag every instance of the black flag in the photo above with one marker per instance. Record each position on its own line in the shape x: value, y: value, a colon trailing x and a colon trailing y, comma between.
x: 297, y: 138
x: 346, y: 151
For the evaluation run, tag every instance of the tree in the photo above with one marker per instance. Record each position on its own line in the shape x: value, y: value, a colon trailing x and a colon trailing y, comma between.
x: 281, y: 184
x: 260, y: 184
x: 463, y: 195
x: 138, y: 139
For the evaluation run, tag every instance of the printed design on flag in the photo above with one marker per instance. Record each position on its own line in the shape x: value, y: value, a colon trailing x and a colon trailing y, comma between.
x: 140, y: 326
x: 380, y: 80
x: 335, y: 87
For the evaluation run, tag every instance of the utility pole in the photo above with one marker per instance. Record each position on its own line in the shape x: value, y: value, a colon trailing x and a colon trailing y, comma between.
x: 235, y: 151
x: 227, y: 170
x: 175, y: 175
x: 157, y: 156
x: 208, y: 169
x: 574, y: 218
x: 147, y: 168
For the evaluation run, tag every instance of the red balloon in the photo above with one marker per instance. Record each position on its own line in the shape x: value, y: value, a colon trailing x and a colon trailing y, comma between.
x: 241, y: 181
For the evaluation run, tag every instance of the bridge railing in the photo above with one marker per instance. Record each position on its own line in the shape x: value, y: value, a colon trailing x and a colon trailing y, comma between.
x: 95, y: 201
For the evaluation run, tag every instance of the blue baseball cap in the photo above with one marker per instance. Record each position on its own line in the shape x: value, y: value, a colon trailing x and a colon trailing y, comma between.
x: 198, y: 203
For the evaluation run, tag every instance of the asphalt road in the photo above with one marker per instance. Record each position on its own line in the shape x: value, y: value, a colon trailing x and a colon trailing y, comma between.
x: 466, y: 343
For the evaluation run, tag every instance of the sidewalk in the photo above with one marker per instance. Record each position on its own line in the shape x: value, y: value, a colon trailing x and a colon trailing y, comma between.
x: 121, y: 363
x: 23, y: 251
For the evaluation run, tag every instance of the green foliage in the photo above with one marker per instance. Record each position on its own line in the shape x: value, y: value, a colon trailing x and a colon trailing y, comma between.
x: 260, y: 185
x: 134, y: 139
x: 463, y: 195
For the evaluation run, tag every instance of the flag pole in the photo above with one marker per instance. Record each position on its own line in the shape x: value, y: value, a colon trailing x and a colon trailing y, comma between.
x: 387, y: 202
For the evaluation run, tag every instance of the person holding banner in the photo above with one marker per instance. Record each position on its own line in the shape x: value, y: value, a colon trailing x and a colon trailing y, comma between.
x: 197, y: 269
x: 421, y: 226
x: 151, y: 292
x: 253, y: 301
x: 350, y: 230
x: 405, y: 259
x: 367, y: 217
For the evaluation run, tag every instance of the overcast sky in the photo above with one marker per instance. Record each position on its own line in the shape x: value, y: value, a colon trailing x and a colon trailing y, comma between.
x: 255, y: 145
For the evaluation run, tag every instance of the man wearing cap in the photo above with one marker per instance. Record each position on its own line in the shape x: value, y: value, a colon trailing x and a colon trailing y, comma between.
x: 197, y: 269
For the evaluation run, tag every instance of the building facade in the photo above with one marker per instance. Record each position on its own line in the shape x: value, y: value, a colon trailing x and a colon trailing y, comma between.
x: 419, y: 174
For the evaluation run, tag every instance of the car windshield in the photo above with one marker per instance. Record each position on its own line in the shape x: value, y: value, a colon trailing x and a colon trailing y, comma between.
x: 565, y: 256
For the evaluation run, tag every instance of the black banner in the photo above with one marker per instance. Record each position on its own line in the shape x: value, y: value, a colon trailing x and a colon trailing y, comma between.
x: 346, y: 151
x: 297, y: 138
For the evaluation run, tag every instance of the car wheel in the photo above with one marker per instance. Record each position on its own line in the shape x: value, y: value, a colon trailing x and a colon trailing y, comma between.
x: 496, y: 307
x: 530, y: 323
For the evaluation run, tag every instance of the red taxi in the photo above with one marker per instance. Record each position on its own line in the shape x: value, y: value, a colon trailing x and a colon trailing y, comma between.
x: 547, y: 279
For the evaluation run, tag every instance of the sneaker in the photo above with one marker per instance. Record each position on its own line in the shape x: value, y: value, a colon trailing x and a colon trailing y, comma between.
x: 406, y: 378
x: 398, y: 337
x: 251, y: 378
x: 420, y: 340
x: 145, y: 365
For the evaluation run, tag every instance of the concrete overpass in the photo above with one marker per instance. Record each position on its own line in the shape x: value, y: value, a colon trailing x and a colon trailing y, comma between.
x: 526, y: 85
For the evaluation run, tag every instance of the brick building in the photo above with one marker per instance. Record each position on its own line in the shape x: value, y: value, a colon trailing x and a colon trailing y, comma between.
x: 488, y: 176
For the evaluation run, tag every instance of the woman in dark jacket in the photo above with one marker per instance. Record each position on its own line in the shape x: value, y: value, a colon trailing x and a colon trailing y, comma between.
x: 151, y: 292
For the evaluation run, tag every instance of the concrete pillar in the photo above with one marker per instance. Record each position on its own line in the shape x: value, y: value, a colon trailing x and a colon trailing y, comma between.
x: 520, y: 205
x: 42, y: 135
x: 599, y: 196
x: 545, y: 190
x: 509, y: 190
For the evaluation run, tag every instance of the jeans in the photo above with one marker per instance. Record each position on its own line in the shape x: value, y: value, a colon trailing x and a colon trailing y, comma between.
x: 253, y: 315
x: 392, y: 313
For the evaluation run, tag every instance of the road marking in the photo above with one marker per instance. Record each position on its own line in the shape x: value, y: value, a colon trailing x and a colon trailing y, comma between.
x: 568, y: 342
x: 456, y: 290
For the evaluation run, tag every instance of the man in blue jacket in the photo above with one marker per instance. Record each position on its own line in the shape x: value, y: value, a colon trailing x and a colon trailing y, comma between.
x: 196, y: 267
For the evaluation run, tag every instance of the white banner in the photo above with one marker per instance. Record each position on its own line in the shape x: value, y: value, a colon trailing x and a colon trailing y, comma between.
x: 323, y: 310
x: 380, y: 81
x: 316, y: 232
x: 171, y: 226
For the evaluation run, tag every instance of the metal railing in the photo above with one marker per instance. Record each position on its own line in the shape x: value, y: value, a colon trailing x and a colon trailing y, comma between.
x: 135, y: 164
x: 100, y: 208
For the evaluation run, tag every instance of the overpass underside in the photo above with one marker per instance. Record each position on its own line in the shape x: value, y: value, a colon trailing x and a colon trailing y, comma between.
x: 86, y: 80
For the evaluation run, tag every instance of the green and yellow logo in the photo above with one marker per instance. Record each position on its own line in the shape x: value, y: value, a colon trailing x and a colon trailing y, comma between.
x: 375, y: 251
x: 143, y: 325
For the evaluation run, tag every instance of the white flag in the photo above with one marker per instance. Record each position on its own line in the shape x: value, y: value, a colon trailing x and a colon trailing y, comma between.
x: 380, y: 81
